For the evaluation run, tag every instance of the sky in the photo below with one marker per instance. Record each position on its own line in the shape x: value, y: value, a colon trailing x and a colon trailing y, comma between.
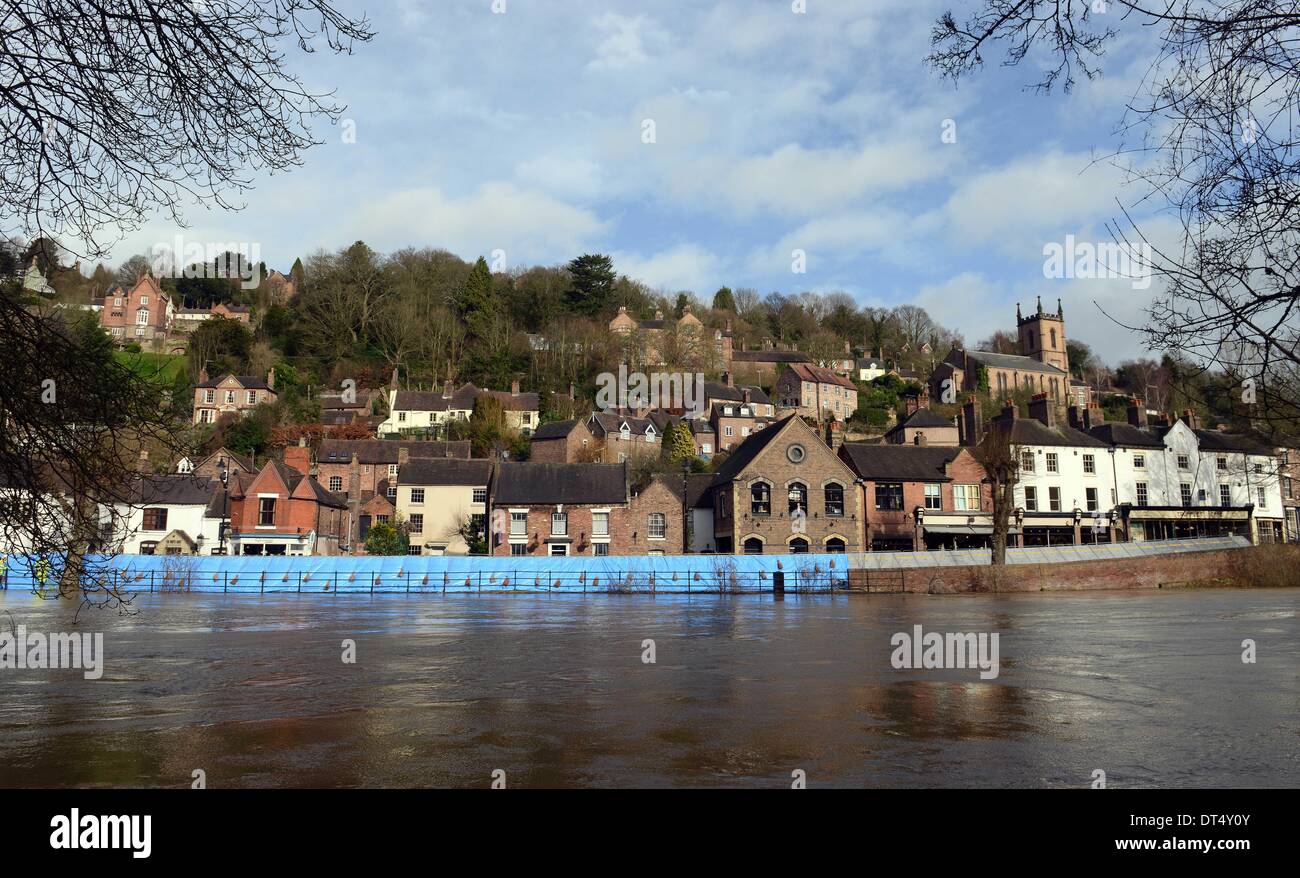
x: 773, y: 132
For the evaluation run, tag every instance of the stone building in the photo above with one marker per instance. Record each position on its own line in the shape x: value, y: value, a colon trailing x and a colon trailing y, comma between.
x: 1042, y: 366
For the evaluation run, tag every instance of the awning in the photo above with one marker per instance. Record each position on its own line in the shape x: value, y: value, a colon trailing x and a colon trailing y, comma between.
x: 973, y: 530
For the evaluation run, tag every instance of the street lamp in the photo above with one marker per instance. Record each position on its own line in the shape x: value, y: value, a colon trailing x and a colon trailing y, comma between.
x: 1078, y: 516
x: 225, y: 505
x: 686, y: 539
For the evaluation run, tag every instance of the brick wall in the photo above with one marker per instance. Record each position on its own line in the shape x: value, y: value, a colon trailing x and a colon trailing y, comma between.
x: 656, y: 499
x: 580, y: 534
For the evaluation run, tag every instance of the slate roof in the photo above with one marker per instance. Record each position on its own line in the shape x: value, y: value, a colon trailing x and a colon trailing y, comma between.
x: 384, y: 451
x: 461, y: 399
x: 1012, y: 361
x: 555, y: 430
x: 898, y: 463
x: 445, y: 471
x: 291, y: 478
x: 821, y: 375
x: 1029, y: 431
x: 536, y: 484
x: 173, y: 489
x: 1123, y: 434
x: 743, y: 454
x: 1213, y: 440
x: 923, y: 418
x: 248, y: 382
x: 718, y: 390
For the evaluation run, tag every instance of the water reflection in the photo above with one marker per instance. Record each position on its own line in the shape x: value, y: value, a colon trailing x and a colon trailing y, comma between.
x: 552, y: 689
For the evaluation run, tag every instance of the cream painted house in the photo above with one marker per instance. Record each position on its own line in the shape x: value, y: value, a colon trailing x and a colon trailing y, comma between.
x: 436, y: 497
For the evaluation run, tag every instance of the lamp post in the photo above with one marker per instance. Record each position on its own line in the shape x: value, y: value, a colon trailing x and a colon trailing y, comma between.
x: 1078, y: 517
x: 1020, y: 525
x: 686, y: 530
x: 225, y: 505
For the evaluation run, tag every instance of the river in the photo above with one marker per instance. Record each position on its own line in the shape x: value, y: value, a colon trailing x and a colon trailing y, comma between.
x: 555, y: 690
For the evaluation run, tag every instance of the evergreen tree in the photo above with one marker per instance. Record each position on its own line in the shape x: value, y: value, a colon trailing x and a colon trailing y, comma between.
x: 385, y: 539
x: 477, y: 300
x: 678, y: 442
x: 593, y: 284
x: 679, y: 307
x: 723, y: 300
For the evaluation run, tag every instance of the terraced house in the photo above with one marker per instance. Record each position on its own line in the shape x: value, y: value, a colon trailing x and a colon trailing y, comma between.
x: 427, y: 412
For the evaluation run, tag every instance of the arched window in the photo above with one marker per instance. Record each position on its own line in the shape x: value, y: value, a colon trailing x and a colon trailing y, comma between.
x: 1053, y: 339
x: 760, y: 499
x: 834, y: 499
x: 799, y: 497
x: 753, y: 546
x: 799, y: 547
x: 835, y: 546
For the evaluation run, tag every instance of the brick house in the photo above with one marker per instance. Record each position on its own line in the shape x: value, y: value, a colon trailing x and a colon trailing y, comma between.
x: 142, y: 314
x: 210, y: 466
x: 784, y: 490
x: 564, y: 442
x: 816, y: 392
x: 284, y: 511
x: 732, y: 423
x: 241, y: 313
x: 622, y: 437
x: 1289, y: 474
x: 655, y: 515
x: 919, y: 497
x: 239, y: 394
x: 560, y: 509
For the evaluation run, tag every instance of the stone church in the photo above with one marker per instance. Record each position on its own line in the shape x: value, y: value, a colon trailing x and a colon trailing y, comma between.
x: 1042, y: 366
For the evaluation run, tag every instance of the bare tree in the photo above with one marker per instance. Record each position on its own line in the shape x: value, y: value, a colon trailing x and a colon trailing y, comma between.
x: 111, y: 111
x: 1001, y: 461
x: 1215, y: 127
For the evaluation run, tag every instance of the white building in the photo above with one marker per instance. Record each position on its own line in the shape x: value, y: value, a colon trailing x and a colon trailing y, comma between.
x: 427, y: 412
x: 437, y: 497
x: 175, y: 514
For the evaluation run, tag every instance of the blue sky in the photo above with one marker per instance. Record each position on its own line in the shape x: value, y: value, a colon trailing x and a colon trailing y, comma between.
x: 821, y: 131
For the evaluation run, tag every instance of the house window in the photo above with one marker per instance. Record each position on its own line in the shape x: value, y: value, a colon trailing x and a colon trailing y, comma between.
x: 417, y: 495
x: 1139, y: 461
x: 834, y: 499
x: 1089, y: 465
x: 1186, y: 491
x: 417, y: 523
x: 1225, y: 495
x: 230, y: 396
x: 1222, y: 464
x: 1184, y: 462
x: 252, y: 397
x: 889, y: 495
x: 1031, y: 499
x: 518, y: 524
x: 799, y: 547
x: 142, y: 317
x: 706, y: 448
x: 799, y: 498
x: 1054, y: 499
x: 1027, y: 462
x: 518, y: 549
x: 966, y: 498
x: 414, y: 550
x: 209, y: 396
x: 1142, y: 493
x: 336, y: 483
x: 391, y: 493
x: 835, y: 546
x: 266, y: 512
x: 1091, y: 494
x: 559, y: 550
x: 933, y: 498
x: 205, y: 416
x: 760, y: 499
x: 559, y: 524
x: 480, y: 495
x: 155, y: 519
x: 392, y: 470
x: 401, y: 417
x: 1263, y: 496
x: 657, y: 527
x: 1053, y: 465
x: 753, y: 546
x: 1259, y: 469
x: 600, y: 524
x: 727, y: 431
x: 600, y: 548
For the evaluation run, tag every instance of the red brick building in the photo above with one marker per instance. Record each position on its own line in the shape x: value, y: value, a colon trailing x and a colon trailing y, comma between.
x: 564, y: 442
x: 920, y: 497
x: 284, y: 511
x: 139, y: 315
x: 237, y: 394
x: 560, y: 509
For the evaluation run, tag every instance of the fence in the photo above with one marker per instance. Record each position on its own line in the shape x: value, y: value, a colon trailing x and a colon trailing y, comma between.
x: 680, y: 574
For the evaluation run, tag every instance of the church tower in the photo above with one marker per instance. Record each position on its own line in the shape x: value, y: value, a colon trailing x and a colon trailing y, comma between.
x: 1042, y: 336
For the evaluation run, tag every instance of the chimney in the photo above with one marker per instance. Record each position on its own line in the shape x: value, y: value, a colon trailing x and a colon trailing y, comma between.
x: 1137, y: 413
x: 298, y: 457
x: 1042, y: 409
x: 1092, y: 416
x: 1009, y: 410
x: 971, y: 428
x: 726, y: 376
x: 728, y: 324
x: 837, y: 436
x: 514, y: 388
x: 920, y: 439
x: 911, y: 404
x: 746, y: 396
x: 354, y: 503
x: 403, y: 456
x: 622, y: 309
x: 1076, y: 418
x: 270, y: 378
x: 1190, y: 418
x: 446, y: 389
x: 142, y: 465
x: 203, y: 375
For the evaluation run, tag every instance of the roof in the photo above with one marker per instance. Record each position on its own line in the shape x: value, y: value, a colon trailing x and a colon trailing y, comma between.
x: 697, y: 488
x: 248, y: 382
x: 923, y: 417
x: 899, y: 463
x: 612, y: 423
x: 588, y: 484
x: 173, y: 489
x: 292, y: 478
x: 770, y: 357
x: 461, y: 399
x: 1029, y: 431
x: 820, y: 375
x: 445, y: 471
x: 382, y: 451
x: 718, y: 390
x: 1121, y: 433
x: 1213, y: 440
x: 743, y: 454
x: 555, y: 430
x: 1012, y: 361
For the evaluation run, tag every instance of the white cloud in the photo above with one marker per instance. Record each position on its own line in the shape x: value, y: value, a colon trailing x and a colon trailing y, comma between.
x: 624, y: 43
x: 683, y: 267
